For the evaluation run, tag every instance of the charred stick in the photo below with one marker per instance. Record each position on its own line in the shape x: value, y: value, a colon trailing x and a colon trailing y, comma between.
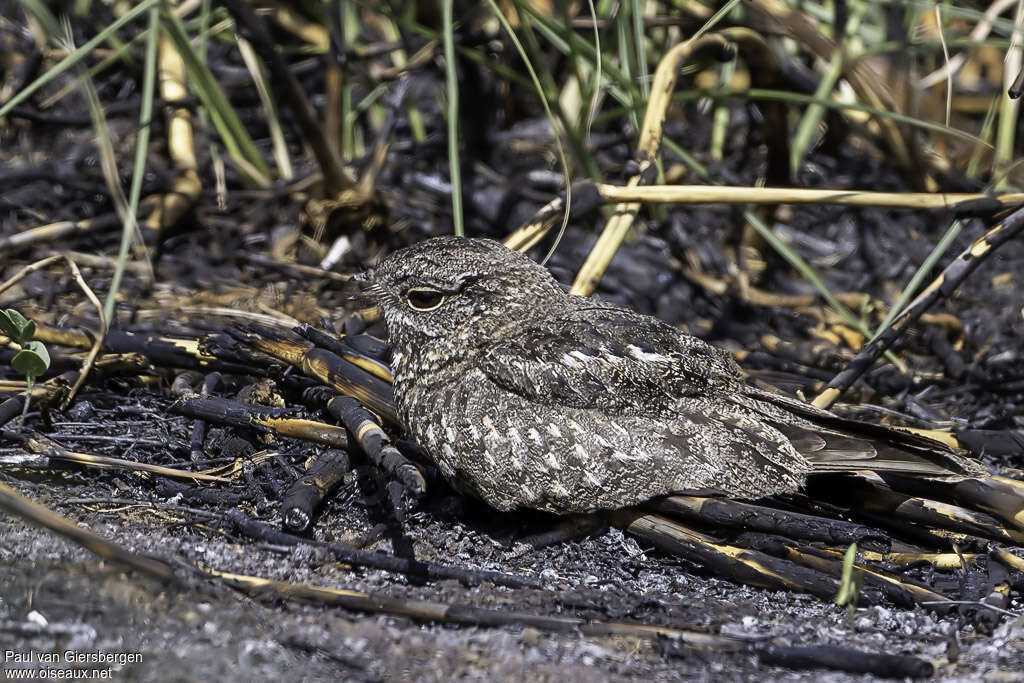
x: 376, y: 444
x: 295, y: 269
x: 56, y: 388
x: 741, y: 565
x: 306, y: 494
x: 349, y: 351
x: 54, y: 233
x: 811, y: 354
x: 184, y: 383
x: 50, y: 391
x: 320, y: 338
x: 734, y: 514
x: 456, y: 613
x: 1008, y: 559
x: 199, y: 494
x: 58, y: 362
x: 905, y: 504
x: 907, y: 536
x: 326, y: 367
x: 195, y: 449
x: 993, y: 442
x: 1000, y: 497
x: 815, y: 656
x: 51, y: 450
x: 764, y: 361
x: 896, y: 562
x: 844, y: 659
x: 363, y: 558
x: 259, y: 417
x: 160, y: 350
x: 571, y: 527
x: 900, y: 590
x: 271, y: 484
x: 369, y: 346
x: 20, y: 506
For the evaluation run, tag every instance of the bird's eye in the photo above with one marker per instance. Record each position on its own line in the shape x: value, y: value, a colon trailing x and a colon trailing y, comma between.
x: 424, y: 298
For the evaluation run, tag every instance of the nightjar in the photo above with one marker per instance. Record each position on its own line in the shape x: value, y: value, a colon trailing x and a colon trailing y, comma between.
x: 527, y: 397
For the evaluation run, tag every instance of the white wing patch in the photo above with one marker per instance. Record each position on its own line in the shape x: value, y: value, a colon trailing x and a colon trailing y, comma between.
x: 646, y: 357
x: 581, y: 452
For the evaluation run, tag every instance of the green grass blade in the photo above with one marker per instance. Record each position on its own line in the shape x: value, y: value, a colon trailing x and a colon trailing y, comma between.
x: 139, y: 169
x: 801, y: 266
x: 547, y: 109
x: 808, y: 126
x: 921, y: 274
x: 721, y: 116
x: 76, y: 56
x: 636, y: 11
x: 267, y: 102
x: 1006, y: 128
x: 452, y: 111
x: 225, y: 119
x: 714, y: 19
x: 626, y: 54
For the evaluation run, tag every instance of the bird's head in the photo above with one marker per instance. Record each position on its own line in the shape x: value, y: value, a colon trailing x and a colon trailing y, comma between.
x: 459, y: 291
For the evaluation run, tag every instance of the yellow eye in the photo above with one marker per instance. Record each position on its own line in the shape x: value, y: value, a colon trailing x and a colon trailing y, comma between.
x: 424, y: 298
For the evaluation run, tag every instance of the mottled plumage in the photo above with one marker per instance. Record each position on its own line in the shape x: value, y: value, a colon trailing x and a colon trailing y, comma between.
x: 525, y: 396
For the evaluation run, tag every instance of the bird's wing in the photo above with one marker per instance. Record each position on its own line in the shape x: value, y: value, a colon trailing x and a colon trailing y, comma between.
x: 632, y: 409
x: 836, y: 444
x: 609, y: 358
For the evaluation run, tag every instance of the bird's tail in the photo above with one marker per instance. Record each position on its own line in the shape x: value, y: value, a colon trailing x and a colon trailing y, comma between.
x: 907, y: 462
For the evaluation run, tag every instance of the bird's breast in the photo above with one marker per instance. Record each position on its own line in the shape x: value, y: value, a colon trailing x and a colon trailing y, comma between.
x: 513, y: 453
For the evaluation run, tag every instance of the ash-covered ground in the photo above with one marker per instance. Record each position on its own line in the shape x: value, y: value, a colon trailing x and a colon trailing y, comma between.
x: 204, y: 632
x: 218, y: 635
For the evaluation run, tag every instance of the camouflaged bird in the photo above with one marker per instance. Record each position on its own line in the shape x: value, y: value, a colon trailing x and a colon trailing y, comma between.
x: 528, y: 397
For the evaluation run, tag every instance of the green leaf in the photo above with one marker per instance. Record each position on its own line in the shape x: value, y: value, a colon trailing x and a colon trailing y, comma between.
x: 40, y: 349
x: 16, y: 326
x: 31, y: 361
x: 7, y: 326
